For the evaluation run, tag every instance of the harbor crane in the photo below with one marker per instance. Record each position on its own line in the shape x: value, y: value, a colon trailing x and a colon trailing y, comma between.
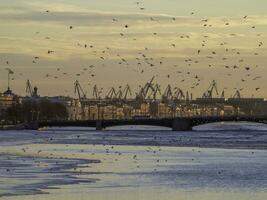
x: 111, y: 94
x: 167, y: 95
x: 148, y: 86
x: 143, y: 93
x: 156, y: 91
x: 223, y: 94
x: 140, y: 95
x: 126, y: 92
x: 78, y: 90
x: 237, y: 94
x: 33, y: 92
x: 28, y: 88
x: 119, y: 94
x: 81, y: 95
x: 122, y: 94
x: 209, y: 92
x: 96, y: 92
x: 178, y: 94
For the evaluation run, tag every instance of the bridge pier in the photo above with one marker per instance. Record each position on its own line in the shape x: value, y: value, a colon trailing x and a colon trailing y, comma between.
x: 99, y: 125
x: 180, y: 124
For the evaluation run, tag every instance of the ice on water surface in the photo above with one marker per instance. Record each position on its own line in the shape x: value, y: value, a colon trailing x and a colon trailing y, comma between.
x: 135, y: 160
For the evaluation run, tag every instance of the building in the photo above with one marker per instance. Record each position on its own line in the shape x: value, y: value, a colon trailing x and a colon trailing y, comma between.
x: 7, y: 99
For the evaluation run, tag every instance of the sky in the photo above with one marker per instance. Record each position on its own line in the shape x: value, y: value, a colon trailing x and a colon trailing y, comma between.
x: 186, y: 44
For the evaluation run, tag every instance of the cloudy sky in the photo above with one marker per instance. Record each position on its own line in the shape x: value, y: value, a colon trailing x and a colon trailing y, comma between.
x: 114, y: 42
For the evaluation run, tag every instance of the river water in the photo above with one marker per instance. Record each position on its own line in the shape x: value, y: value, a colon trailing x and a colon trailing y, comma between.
x: 218, y: 161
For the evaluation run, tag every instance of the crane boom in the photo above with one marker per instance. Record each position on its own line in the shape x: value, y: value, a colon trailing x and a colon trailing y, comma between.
x: 156, y: 90
x: 149, y: 85
x: 33, y: 92
x: 111, y: 94
x: 178, y: 94
x: 168, y: 93
x: 96, y: 92
x: 78, y: 90
x: 237, y: 94
x: 29, y: 88
x: 126, y: 91
x: 209, y: 92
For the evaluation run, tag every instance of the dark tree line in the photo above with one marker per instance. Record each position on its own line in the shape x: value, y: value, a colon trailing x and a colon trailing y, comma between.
x: 35, y: 110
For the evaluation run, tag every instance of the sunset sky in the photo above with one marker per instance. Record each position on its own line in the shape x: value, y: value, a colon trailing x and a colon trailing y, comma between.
x: 114, y: 42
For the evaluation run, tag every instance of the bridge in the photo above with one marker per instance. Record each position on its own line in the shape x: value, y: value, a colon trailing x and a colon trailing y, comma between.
x: 177, y: 124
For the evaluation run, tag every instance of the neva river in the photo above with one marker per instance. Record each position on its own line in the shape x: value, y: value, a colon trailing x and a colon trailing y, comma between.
x: 224, y: 161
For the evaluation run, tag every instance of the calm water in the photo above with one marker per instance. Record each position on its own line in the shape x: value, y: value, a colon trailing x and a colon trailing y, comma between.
x: 218, y: 161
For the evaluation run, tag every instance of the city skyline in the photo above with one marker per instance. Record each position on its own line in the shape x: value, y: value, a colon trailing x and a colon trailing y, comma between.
x: 54, y: 43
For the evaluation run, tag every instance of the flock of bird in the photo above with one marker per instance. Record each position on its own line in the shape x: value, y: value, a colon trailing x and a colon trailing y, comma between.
x: 232, y: 59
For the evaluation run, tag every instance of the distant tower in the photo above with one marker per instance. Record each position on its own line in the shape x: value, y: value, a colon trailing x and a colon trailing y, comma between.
x: 8, y: 91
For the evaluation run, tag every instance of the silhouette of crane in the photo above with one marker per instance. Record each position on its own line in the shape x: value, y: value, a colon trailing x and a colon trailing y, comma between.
x: 237, y: 94
x: 156, y: 91
x: 112, y: 94
x: 96, y: 92
x: 178, y: 94
x: 81, y: 95
x: 223, y: 94
x: 143, y: 93
x: 33, y: 92
x: 209, y: 92
x: 78, y: 90
x: 167, y: 95
x: 126, y: 92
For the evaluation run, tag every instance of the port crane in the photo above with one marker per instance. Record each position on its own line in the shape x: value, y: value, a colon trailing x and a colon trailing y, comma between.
x: 121, y: 95
x: 209, y: 92
x: 237, y: 94
x: 126, y: 92
x: 148, y: 86
x: 33, y: 92
x: 167, y: 95
x: 156, y: 91
x: 78, y: 90
x: 81, y: 95
x: 96, y: 93
x: 111, y: 94
x: 223, y: 94
x: 143, y: 93
x: 178, y: 94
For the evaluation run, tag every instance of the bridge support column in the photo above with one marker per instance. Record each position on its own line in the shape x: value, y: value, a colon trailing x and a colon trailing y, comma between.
x: 180, y: 124
x: 99, y: 126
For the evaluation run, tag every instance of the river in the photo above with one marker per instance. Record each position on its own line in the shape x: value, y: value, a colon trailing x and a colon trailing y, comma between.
x: 218, y: 161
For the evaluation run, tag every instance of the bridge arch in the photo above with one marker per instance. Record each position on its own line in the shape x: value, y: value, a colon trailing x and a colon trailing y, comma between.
x: 208, y: 120
x: 138, y: 127
x: 140, y: 122
x: 234, y: 126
